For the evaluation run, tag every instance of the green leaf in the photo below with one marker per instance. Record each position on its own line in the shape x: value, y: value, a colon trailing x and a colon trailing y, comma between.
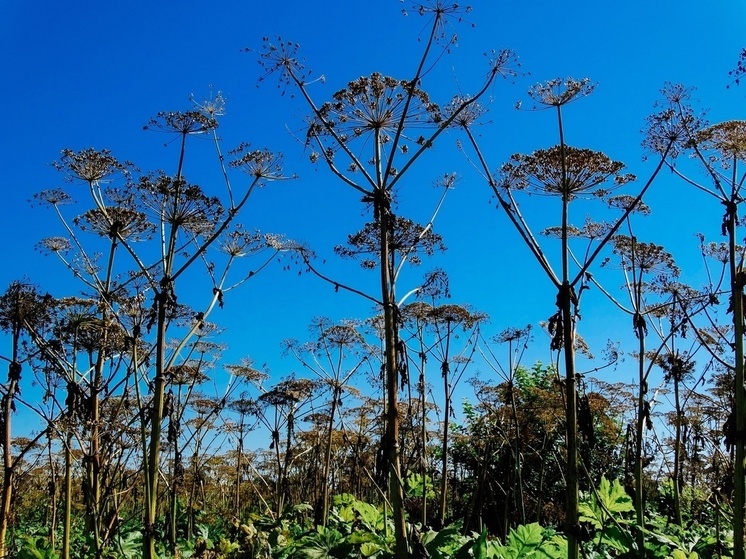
x: 369, y: 548
x: 480, y: 546
x: 525, y: 539
x: 36, y: 548
x: 613, y: 497
x: 609, y: 499
x: 319, y: 544
x: 448, y: 539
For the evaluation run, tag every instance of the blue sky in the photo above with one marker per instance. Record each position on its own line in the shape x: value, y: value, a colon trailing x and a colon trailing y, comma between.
x: 91, y: 74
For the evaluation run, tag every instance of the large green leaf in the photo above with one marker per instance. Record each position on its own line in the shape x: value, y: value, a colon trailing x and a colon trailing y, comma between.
x: 443, y: 543
x: 524, y: 540
x: 613, y: 497
x: 318, y: 544
x: 529, y: 542
x: 36, y: 548
x: 609, y: 499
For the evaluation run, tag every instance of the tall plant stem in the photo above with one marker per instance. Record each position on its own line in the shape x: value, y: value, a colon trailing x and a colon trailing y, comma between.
x: 396, y: 491
x: 571, y: 418
x: 336, y: 394
x: 737, y: 285
x: 565, y: 300
x: 641, y: 413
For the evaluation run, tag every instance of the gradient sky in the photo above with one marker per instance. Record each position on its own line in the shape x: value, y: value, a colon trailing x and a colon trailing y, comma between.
x: 90, y: 74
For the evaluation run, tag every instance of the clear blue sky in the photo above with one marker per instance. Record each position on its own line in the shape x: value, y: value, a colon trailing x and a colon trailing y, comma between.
x: 90, y: 74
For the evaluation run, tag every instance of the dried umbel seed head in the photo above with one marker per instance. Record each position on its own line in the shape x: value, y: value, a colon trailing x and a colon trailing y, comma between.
x: 463, y: 111
x: 647, y: 258
x: 728, y: 138
x: 565, y: 171
x: 187, y: 122
x: 558, y: 92
x: 374, y: 104
x: 116, y: 222
x: 90, y: 165
x: 259, y: 163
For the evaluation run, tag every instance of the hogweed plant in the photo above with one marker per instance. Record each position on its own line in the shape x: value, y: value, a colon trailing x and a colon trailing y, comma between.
x: 335, y: 357
x: 153, y: 230
x: 517, y: 340
x: 277, y: 409
x: 369, y: 135
x: 720, y: 149
x: 23, y: 310
x: 566, y: 173
x: 643, y: 265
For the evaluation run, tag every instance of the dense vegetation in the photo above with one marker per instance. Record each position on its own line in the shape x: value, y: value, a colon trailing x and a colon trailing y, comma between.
x: 137, y: 451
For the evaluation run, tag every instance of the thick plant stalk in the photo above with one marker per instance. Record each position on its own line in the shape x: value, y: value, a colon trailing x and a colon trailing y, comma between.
x: 152, y: 462
x: 677, y: 454
x: 336, y: 394
x: 423, y: 426
x: 68, y: 491
x: 737, y: 285
x: 640, y: 429
x: 9, y: 470
x: 396, y: 490
x: 447, y: 413
x: 571, y: 418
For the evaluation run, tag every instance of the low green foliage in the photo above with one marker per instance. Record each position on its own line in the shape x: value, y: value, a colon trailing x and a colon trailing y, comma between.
x: 35, y: 548
x: 357, y: 529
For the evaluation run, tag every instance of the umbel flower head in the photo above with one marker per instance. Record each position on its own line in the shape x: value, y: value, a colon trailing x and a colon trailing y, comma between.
x: 179, y: 204
x: 91, y: 165
x: 466, y: 111
x: 728, y: 138
x: 646, y: 258
x: 564, y: 170
x: 558, y: 92
x: 183, y: 122
x: 675, y: 128
x: 116, y: 222
x: 374, y: 104
x: 259, y: 163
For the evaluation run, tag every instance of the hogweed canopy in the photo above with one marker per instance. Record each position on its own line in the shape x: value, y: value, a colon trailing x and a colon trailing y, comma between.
x: 58, y: 245
x: 239, y: 242
x: 444, y: 11
x: 406, y: 238
x: 281, y: 57
x: 466, y: 111
x: 591, y: 230
x: 182, y: 122
x: 564, y: 170
x: 180, y: 204
x: 626, y: 202
x: 53, y: 197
